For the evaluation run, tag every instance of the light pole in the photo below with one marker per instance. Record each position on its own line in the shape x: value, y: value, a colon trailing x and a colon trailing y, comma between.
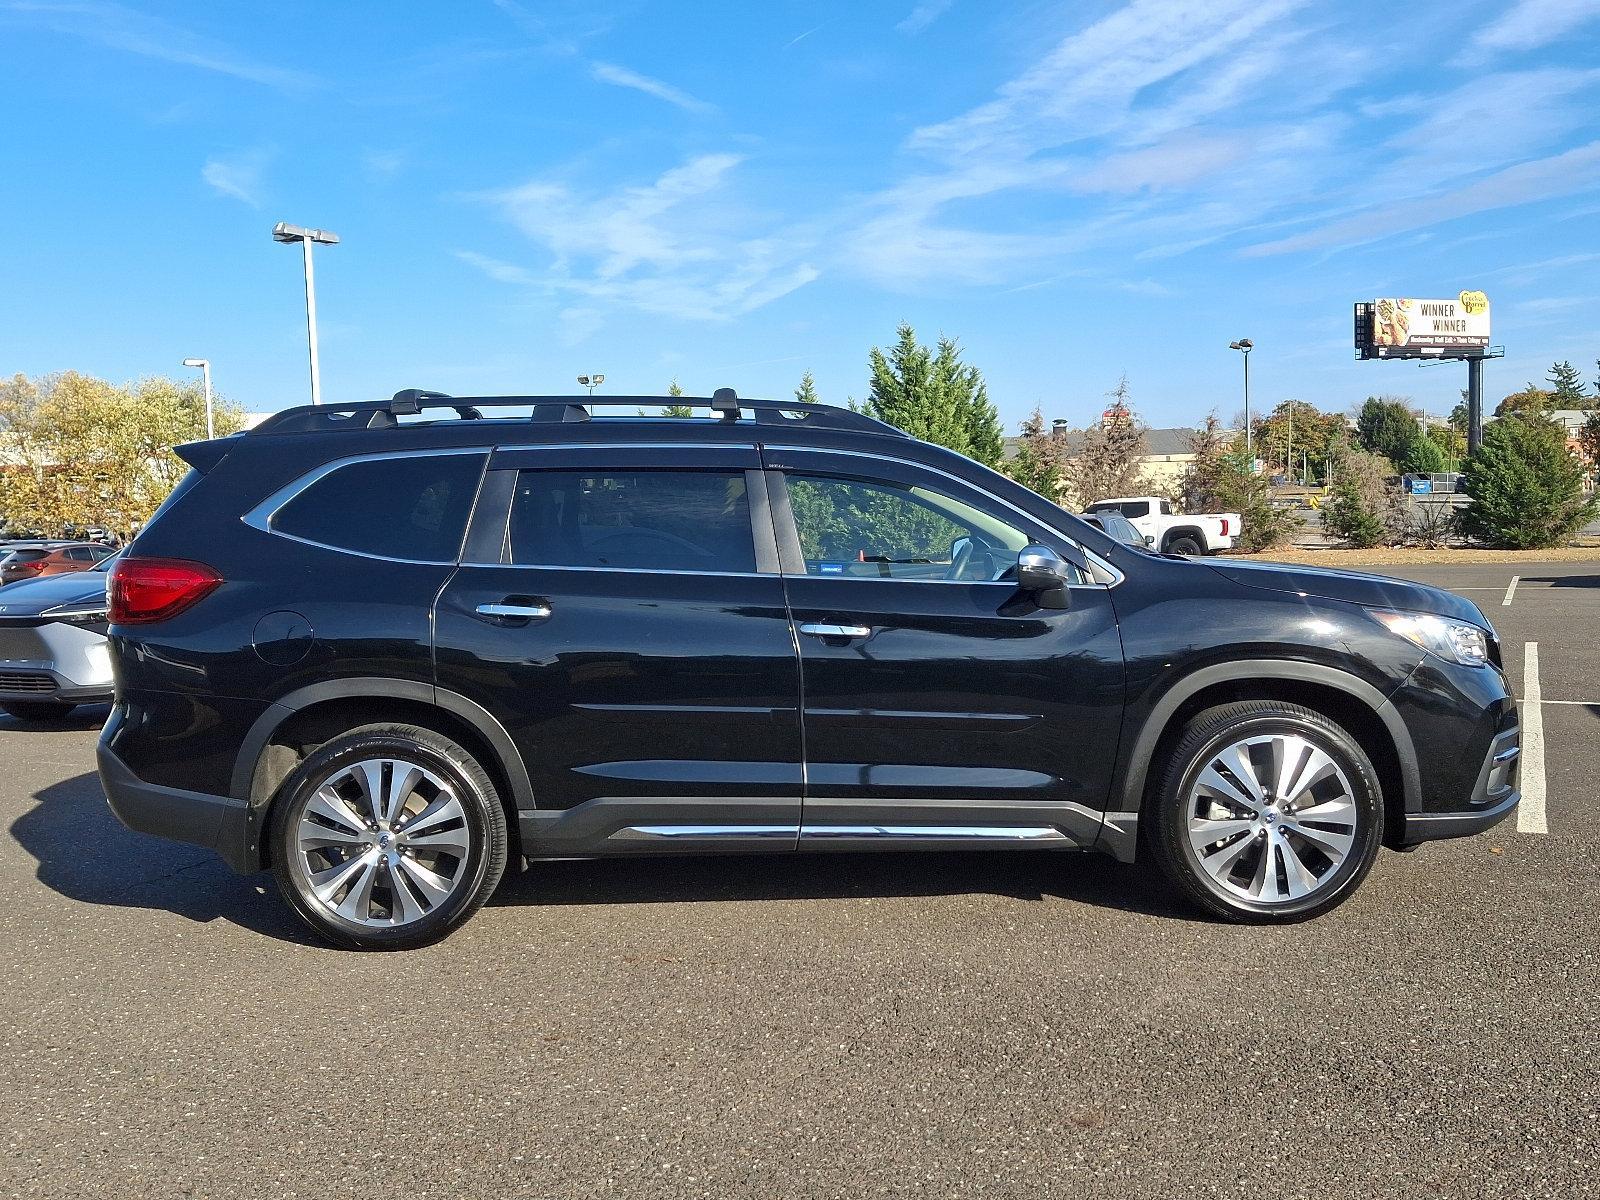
x: 591, y: 382
x: 1246, y: 345
x: 289, y: 234
x: 205, y: 371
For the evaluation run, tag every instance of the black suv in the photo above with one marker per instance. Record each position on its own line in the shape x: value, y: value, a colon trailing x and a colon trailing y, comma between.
x: 382, y: 654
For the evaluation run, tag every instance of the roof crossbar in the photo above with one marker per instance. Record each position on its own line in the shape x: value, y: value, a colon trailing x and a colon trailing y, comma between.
x: 725, y: 403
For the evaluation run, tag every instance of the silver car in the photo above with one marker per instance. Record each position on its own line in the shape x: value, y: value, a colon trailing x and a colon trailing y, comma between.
x: 53, y: 652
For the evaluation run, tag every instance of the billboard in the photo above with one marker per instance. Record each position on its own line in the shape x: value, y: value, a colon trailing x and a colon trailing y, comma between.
x: 1403, y: 327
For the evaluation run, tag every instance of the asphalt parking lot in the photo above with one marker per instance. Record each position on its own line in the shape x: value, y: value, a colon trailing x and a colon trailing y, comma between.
x: 940, y: 1025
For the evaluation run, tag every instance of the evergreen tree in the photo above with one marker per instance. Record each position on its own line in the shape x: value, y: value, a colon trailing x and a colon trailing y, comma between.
x: 1362, y: 509
x: 1040, y: 458
x: 1526, y: 490
x: 676, y: 410
x: 806, y: 393
x: 1566, y: 386
x: 1387, y: 426
x: 1421, y: 456
x: 1109, y: 459
x: 934, y: 396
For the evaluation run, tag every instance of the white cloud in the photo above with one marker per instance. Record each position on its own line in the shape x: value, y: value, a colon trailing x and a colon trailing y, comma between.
x: 383, y: 164
x: 923, y: 15
x: 1533, y: 23
x: 498, y: 269
x: 121, y: 28
x: 623, y: 77
x: 238, y: 176
x: 680, y: 246
x: 1542, y: 179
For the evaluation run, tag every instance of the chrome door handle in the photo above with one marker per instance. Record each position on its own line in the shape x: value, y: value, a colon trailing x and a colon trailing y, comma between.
x: 521, y: 612
x: 837, y: 631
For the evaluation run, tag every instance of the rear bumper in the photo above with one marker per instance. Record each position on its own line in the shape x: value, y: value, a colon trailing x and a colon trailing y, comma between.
x: 218, y: 823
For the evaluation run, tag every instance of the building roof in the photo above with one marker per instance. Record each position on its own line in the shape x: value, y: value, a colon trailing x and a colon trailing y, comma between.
x: 1157, y: 441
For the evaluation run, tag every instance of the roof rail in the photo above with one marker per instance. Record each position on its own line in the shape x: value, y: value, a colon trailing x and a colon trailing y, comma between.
x: 384, y: 414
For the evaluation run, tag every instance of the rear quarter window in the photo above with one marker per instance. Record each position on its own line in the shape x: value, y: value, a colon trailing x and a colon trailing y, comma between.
x: 412, y: 508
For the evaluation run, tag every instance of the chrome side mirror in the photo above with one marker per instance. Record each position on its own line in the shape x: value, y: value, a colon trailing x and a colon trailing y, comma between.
x: 1043, y: 572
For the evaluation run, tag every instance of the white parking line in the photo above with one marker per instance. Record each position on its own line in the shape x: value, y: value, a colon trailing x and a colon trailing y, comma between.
x: 1511, y: 590
x: 1530, y: 813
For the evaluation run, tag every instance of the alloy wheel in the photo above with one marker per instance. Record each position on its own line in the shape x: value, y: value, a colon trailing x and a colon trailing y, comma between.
x: 383, y: 842
x: 1271, y: 819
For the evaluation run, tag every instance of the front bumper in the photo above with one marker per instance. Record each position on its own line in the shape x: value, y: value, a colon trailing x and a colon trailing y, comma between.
x: 53, y: 662
x: 1494, y: 797
x: 218, y: 823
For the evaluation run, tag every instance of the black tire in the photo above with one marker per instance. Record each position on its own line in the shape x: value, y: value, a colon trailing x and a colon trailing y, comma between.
x: 1214, y: 732
x: 1185, y: 545
x: 38, y: 710
x: 474, y: 874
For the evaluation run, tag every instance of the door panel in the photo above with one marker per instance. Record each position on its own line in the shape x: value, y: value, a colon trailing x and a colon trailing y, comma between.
x: 947, y: 703
x: 656, y: 707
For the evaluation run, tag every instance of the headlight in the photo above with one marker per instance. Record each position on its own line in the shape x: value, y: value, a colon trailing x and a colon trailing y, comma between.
x: 77, y: 614
x: 1455, y: 641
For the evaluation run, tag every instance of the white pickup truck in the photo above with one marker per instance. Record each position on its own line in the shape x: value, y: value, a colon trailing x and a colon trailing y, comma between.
x: 1153, y: 517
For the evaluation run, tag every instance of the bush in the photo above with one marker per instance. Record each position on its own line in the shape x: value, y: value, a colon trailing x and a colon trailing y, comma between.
x: 1526, y: 490
x: 1429, y: 524
x: 1362, y: 509
x: 1421, y: 456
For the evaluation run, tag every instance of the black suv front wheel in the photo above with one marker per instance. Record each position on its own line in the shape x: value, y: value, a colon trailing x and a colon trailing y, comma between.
x: 388, y: 837
x: 1268, y: 812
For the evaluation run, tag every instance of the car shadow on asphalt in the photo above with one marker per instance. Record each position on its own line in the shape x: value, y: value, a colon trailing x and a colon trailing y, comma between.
x: 1564, y: 581
x: 1035, y: 875
x: 84, y: 853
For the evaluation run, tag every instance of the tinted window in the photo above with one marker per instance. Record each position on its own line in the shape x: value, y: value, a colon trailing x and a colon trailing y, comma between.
x: 885, y: 531
x: 81, y: 554
x: 412, y: 508
x: 1141, y: 509
x: 1166, y: 508
x: 645, y: 520
x: 25, y: 555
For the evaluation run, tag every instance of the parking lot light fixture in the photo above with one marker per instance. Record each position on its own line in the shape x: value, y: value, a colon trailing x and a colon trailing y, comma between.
x: 205, y: 369
x: 591, y: 382
x: 1245, y: 345
x: 288, y: 235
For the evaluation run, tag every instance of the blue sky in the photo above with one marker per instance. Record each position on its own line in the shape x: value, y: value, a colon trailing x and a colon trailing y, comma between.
x: 731, y: 193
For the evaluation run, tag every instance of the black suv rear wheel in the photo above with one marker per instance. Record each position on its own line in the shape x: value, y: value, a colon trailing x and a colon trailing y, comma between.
x: 388, y: 837
x: 1267, y: 812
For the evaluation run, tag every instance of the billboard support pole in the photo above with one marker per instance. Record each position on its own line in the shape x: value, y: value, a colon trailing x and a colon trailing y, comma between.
x: 1474, y: 404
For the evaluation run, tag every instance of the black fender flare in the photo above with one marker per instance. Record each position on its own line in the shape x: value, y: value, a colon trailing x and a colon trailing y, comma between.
x: 379, y: 688
x: 1143, y: 745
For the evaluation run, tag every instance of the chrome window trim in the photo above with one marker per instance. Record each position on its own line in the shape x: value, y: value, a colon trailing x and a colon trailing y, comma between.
x: 1094, y: 559
x: 262, y: 515
x: 626, y: 570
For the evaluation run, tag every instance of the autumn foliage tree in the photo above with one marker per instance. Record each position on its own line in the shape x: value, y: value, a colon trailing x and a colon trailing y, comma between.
x: 80, y: 451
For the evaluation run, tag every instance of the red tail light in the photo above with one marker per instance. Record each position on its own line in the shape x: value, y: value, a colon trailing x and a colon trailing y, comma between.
x: 1224, y: 526
x: 141, y: 590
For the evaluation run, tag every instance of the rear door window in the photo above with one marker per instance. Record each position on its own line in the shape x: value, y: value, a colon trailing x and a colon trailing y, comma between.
x: 640, y: 520
x: 412, y: 508
x: 1136, y: 510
